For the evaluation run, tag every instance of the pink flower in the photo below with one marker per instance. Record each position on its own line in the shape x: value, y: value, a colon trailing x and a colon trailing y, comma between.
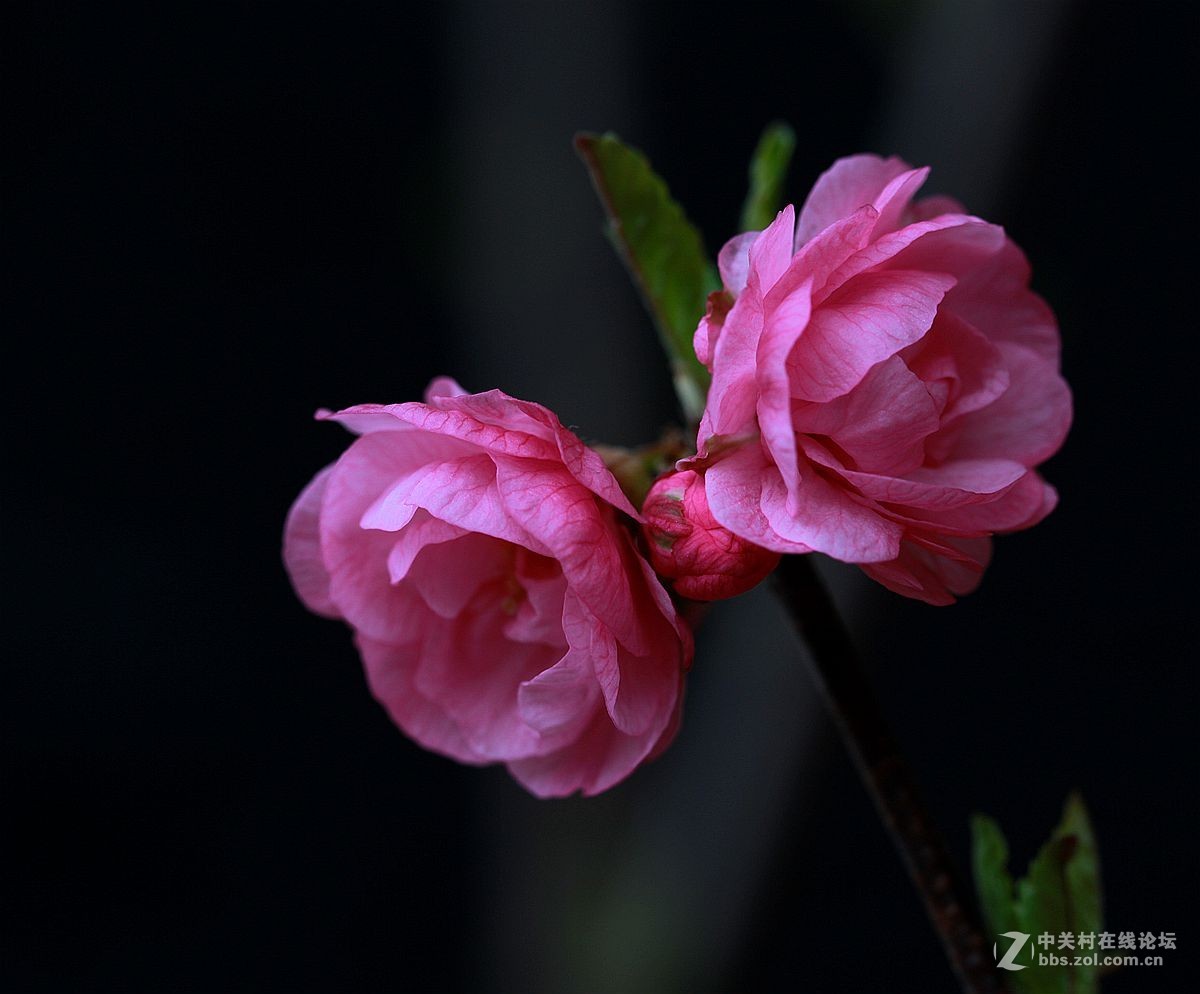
x: 706, y: 561
x: 884, y: 383
x: 477, y: 549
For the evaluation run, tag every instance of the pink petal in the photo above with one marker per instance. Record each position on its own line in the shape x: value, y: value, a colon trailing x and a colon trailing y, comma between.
x: 733, y: 393
x: 1049, y: 501
x: 443, y: 386
x: 893, y: 201
x: 881, y: 424
x: 666, y: 607
x: 452, y: 424
x: 448, y: 578
x: 1027, y: 423
x: 522, y: 417
x: 704, y: 340
x: 648, y: 688
x: 971, y: 367
x: 868, y: 320
x: 819, y: 258
x: 390, y: 670
x: 639, y: 689
x: 598, y: 759
x: 955, y: 245
x: 995, y: 298
x: 302, y: 548
x: 785, y: 324
x: 586, y: 465
x: 649, y: 679
x: 561, y: 513
x: 496, y: 409
x: 461, y: 492
x: 604, y: 754
x: 1019, y: 506
x: 825, y: 518
x: 473, y: 673
x: 587, y: 635
x: 734, y: 487
x: 423, y: 531
x: 849, y: 184
x: 935, y: 579
x: 357, y: 558
x: 771, y: 252
x: 955, y: 484
x: 539, y: 616
x: 564, y: 696
x: 733, y: 261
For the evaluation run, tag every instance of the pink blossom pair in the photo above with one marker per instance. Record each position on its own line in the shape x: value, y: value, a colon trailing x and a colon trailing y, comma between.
x: 884, y: 384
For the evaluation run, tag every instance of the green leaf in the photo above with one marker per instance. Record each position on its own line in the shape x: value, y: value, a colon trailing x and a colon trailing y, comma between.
x: 768, y: 168
x: 993, y: 882
x: 1059, y: 893
x: 662, y: 250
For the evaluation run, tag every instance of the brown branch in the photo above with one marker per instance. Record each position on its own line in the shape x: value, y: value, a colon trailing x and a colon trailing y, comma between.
x: 884, y: 771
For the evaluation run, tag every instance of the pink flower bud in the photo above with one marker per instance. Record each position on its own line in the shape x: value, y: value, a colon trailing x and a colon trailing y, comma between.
x: 706, y: 561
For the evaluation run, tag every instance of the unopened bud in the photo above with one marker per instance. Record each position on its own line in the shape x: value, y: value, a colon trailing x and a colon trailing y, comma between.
x: 706, y: 561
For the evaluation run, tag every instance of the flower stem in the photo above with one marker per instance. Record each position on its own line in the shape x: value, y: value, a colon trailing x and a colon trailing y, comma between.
x: 883, y: 769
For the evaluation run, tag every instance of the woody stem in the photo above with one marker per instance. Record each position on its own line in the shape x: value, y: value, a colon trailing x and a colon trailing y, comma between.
x: 885, y: 773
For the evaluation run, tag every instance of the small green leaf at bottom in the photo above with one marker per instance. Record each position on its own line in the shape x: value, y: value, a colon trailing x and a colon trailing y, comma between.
x: 1059, y: 896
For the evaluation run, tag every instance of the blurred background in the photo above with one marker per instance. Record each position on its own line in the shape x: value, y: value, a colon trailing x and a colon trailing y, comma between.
x: 219, y: 218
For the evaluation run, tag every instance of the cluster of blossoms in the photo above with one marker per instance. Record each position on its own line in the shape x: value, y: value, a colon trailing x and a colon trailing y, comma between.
x: 884, y: 384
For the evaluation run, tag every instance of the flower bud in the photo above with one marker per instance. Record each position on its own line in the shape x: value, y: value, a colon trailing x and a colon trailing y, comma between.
x: 706, y: 561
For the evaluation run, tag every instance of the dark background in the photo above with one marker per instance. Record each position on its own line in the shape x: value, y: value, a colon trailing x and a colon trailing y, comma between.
x: 218, y: 218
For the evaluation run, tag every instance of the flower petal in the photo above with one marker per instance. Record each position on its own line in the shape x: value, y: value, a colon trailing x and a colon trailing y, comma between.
x: 390, y: 670
x: 770, y: 253
x: 357, y: 558
x: 734, y: 352
x: 974, y: 481
x: 443, y: 386
x: 924, y: 575
x: 733, y: 261
x: 868, y: 320
x: 823, y: 255
x: 448, y: 578
x: 1018, y: 506
x: 734, y: 487
x: 825, y: 518
x: 953, y: 244
x: 955, y: 354
x: 848, y: 184
x: 995, y: 298
x: 881, y: 425
x: 539, y: 616
x: 787, y: 322
x: 704, y: 340
x: 424, y: 530
x: 601, y: 757
x: 473, y: 673
x: 1028, y: 422
x: 461, y: 492
x: 566, y: 695
x: 548, y: 502
x: 302, y: 548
